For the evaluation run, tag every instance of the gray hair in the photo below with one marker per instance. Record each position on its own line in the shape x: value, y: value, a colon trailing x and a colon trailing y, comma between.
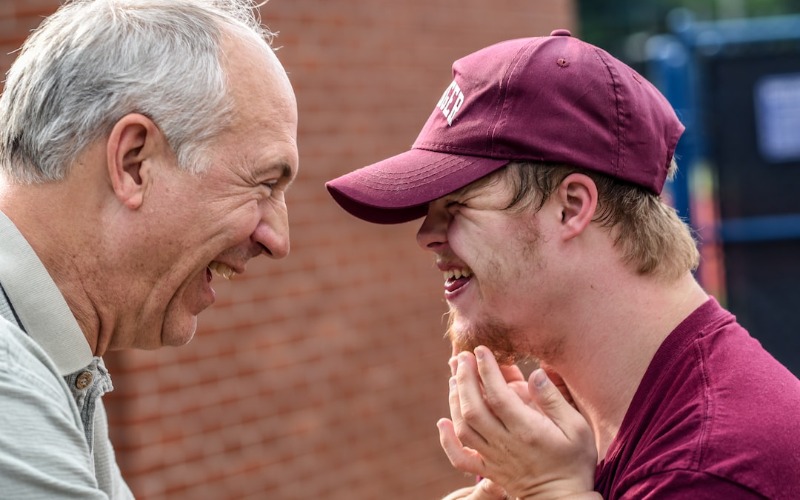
x: 95, y: 61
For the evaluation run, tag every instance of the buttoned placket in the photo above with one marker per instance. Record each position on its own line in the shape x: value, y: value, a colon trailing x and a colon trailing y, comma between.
x: 88, y: 385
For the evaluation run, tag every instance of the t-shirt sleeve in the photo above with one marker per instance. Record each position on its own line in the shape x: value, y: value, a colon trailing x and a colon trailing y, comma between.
x: 682, y: 484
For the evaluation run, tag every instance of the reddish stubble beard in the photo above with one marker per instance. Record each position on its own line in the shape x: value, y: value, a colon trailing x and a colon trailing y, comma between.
x: 509, y: 345
x: 491, y: 333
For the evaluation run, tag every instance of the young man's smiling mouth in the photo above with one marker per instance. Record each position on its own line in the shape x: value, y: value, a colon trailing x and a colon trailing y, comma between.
x: 454, y: 279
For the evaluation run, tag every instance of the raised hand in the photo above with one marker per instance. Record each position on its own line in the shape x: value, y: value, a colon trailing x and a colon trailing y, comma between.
x: 535, y: 446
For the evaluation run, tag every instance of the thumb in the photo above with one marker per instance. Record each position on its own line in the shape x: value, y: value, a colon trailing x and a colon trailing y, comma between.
x: 487, y: 490
x: 558, y: 381
x: 552, y: 402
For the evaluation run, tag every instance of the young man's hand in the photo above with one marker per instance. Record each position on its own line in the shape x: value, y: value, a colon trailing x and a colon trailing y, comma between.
x: 533, y: 444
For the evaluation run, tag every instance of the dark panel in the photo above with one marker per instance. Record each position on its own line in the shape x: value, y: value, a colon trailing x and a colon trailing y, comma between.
x: 750, y: 183
x: 764, y: 292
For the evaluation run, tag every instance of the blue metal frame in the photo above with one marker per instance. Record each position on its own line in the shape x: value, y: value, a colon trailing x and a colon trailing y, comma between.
x: 769, y: 228
x: 672, y: 65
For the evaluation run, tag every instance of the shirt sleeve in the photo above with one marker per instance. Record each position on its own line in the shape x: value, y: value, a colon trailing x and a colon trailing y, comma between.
x: 681, y: 484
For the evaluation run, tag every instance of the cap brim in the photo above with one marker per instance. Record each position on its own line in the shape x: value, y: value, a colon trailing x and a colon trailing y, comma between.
x: 398, y: 189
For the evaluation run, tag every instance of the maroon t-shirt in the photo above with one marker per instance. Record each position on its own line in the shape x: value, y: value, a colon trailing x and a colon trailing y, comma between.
x: 715, y: 417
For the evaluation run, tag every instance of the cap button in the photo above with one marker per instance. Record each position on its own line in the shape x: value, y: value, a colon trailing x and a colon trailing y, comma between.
x: 561, y: 32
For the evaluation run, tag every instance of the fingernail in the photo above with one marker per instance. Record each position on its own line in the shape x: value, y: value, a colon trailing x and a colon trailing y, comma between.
x: 539, y: 378
x: 480, y: 353
x: 452, y: 382
x: 462, y: 358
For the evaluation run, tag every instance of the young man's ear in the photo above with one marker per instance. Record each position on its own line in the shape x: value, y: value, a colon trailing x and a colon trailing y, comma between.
x: 131, y: 147
x: 577, y: 196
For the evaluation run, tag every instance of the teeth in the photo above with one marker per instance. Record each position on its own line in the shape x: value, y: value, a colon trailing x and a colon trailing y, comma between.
x: 222, y: 270
x: 456, y: 274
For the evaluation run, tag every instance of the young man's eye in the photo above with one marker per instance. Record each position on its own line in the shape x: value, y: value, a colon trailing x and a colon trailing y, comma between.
x: 453, y: 204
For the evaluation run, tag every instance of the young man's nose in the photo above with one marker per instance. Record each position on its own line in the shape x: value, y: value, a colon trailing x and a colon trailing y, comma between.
x: 433, y: 232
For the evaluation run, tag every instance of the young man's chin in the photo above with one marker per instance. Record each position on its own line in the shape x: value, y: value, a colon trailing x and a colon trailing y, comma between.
x: 492, y: 334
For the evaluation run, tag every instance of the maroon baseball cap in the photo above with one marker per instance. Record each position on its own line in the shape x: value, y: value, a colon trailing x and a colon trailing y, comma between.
x: 551, y: 99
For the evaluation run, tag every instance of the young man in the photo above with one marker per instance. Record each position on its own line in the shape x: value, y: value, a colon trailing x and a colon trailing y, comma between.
x: 144, y: 147
x: 539, y: 174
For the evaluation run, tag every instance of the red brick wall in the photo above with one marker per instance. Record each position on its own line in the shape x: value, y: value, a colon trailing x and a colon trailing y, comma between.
x: 320, y: 376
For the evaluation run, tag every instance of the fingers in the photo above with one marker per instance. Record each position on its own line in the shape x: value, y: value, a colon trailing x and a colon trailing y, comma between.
x: 517, y: 442
x: 556, y: 379
x: 463, y: 458
x: 512, y: 412
x: 498, y: 396
x: 552, y: 403
x: 467, y: 406
x: 463, y: 435
x: 489, y: 370
x: 512, y: 373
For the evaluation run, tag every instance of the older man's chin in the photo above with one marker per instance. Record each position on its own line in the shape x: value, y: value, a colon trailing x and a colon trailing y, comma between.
x: 178, y: 331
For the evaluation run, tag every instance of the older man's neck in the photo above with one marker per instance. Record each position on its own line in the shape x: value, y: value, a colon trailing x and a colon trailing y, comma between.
x: 54, y: 218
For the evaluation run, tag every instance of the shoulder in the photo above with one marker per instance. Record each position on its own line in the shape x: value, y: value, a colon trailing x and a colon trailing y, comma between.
x: 24, y: 365
x: 716, y: 416
x: 43, y: 449
x: 31, y: 388
x: 682, y: 483
x: 752, y: 433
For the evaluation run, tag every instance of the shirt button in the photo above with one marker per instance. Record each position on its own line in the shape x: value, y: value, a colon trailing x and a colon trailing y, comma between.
x: 83, y: 380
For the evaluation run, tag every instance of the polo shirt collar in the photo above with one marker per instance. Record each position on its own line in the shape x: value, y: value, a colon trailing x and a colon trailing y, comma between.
x: 38, y: 302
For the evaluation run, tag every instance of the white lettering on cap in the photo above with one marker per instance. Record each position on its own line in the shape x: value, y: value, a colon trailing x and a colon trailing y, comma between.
x: 451, y: 101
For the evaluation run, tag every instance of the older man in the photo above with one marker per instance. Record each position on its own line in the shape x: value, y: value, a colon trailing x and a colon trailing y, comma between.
x: 145, y: 147
x: 538, y: 175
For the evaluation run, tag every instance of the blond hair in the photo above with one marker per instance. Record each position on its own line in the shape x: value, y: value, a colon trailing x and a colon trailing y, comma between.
x: 649, y: 233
